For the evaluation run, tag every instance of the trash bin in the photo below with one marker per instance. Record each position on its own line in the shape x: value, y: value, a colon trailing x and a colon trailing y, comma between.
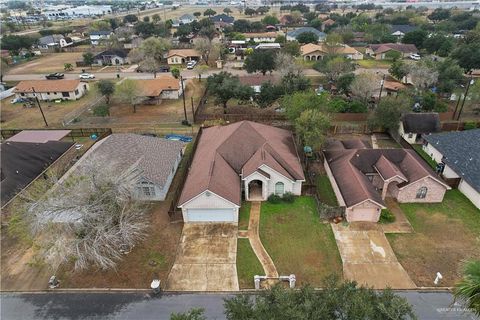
x: 155, y: 285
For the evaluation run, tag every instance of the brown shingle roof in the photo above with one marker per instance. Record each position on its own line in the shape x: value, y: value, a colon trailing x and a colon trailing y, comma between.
x: 349, y: 168
x: 384, y: 47
x: 183, y: 53
x: 339, y: 49
x: 154, y: 87
x: 260, y: 34
x: 47, y: 85
x: 258, y: 79
x: 225, y: 152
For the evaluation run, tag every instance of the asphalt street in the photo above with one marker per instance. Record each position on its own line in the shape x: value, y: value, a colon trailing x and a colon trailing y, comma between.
x: 144, y: 306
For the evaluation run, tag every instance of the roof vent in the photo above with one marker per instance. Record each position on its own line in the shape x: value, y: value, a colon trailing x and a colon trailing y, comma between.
x: 208, y: 194
x: 16, y: 171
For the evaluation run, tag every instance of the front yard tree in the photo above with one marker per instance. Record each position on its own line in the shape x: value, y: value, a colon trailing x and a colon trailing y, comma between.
x: 209, y: 13
x: 89, y: 219
x: 337, y: 301
x: 364, y: 86
x: 312, y: 127
x: 128, y: 92
x: 260, y: 60
x: 88, y: 59
x: 204, y: 47
x: 468, y: 289
x: 106, y: 88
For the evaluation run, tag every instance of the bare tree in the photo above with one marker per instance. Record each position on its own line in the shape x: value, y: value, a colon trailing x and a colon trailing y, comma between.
x: 285, y: 64
x: 204, y: 47
x: 128, y: 92
x: 422, y: 75
x: 364, y: 86
x: 90, y: 217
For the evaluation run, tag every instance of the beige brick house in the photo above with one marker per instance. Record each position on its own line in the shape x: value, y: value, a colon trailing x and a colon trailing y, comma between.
x: 362, y: 178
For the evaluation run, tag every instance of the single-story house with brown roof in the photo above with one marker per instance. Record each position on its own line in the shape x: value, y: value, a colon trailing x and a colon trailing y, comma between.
x: 314, y: 52
x: 363, y: 178
x: 414, y: 125
x: 244, y: 158
x: 181, y: 56
x: 162, y: 87
x: 255, y: 81
x: 379, y: 51
x: 48, y: 90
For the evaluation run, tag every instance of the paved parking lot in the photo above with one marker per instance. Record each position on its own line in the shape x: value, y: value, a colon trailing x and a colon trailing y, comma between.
x: 206, y: 259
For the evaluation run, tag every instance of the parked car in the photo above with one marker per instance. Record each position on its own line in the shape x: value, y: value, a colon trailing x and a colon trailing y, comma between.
x: 87, y: 76
x: 191, y: 64
x: 19, y: 100
x: 178, y: 137
x: 415, y: 56
x: 55, y: 76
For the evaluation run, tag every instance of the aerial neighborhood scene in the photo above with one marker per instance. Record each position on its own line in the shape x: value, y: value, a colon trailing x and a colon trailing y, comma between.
x: 240, y: 159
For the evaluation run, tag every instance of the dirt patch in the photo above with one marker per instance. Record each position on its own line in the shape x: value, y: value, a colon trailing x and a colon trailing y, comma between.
x: 48, y: 63
x: 439, y: 248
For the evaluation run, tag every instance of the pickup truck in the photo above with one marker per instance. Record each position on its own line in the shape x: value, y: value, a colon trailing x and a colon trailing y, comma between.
x: 55, y: 76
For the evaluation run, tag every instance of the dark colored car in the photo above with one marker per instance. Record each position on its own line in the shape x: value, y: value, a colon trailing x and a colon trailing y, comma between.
x: 55, y: 76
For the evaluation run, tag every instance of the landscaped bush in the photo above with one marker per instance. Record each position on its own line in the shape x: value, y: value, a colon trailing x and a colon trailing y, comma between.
x: 273, y: 198
x: 469, y: 126
x: 386, y: 216
x: 288, y: 197
x: 101, y: 111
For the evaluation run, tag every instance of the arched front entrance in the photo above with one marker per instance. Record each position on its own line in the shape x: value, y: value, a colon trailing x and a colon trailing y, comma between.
x: 255, y: 190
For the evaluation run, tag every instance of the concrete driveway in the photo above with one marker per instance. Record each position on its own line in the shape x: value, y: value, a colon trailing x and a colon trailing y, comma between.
x: 206, y: 259
x: 368, y: 258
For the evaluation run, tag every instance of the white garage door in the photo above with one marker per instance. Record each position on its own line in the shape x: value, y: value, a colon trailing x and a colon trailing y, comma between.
x: 363, y: 214
x: 211, y: 215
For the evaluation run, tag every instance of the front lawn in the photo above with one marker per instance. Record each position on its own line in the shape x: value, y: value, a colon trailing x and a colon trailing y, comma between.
x: 244, y: 215
x: 418, y: 148
x: 445, y: 234
x: 325, y: 191
x: 247, y: 264
x: 298, y: 242
x: 374, y: 64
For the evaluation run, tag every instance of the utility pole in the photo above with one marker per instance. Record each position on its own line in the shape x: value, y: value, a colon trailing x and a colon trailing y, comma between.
x: 456, y: 106
x: 184, y: 105
x: 382, y: 82
x: 470, y: 82
x: 40, y: 107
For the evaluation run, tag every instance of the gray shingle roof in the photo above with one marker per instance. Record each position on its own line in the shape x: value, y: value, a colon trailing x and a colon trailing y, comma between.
x: 54, y: 38
x: 404, y: 28
x: 154, y: 156
x: 461, y: 151
x: 295, y: 33
x: 421, y: 122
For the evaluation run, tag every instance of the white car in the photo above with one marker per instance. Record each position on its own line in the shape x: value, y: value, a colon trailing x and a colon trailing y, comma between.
x: 415, y: 56
x: 191, y: 64
x: 87, y: 76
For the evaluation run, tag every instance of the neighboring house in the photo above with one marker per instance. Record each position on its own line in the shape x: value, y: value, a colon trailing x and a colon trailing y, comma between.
x: 184, y: 19
x: 260, y: 36
x: 39, y: 136
x: 114, y: 57
x: 181, y: 56
x: 156, y: 158
x: 245, y: 157
x: 48, y: 90
x: 256, y: 81
x: 162, y: 87
x: 268, y: 46
x: 459, y: 152
x: 292, y: 35
x: 327, y: 23
x: 399, y: 30
x: 313, y: 52
x: 24, y: 162
x: 414, y: 126
x: 54, y: 41
x: 97, y: 36
x: 222, y: 20
x: 362, y: 178
x: 379, y: 51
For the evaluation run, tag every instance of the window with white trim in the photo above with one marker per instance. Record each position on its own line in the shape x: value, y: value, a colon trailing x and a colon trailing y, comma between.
x: 279, y: 188
x: 422, y: 193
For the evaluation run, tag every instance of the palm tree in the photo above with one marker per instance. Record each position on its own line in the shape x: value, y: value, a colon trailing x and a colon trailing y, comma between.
x: 468, y: 289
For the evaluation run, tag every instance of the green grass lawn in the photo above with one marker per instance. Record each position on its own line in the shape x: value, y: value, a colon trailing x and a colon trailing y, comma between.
x: 244, y: 216
x: 298, y: 242
x: 445, y: 235
x: 325, y: 191
x: 247, y: 264
x: 418, y: 148
x: 372, y: 63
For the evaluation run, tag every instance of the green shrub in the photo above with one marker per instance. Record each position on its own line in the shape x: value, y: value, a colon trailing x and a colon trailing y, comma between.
x: 273, y: 198
x: 469, y: 126
x: 288, y: 197
x: 386, y: 216
x: 101, y: 111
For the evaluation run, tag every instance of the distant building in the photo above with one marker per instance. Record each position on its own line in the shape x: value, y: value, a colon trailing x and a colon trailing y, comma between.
x: 66, y: 12
x: 184, y: 19
x: 379, y: 51
x: 49, y: 90
x: 162, y: 87
x: 260, y: 36
x: 97, y: 36
x: 114, y: 57
x: 292, y: 35
x: 313, y: 52
x: 399, y: 30
x: 54, y: 41
x: 181, y: 56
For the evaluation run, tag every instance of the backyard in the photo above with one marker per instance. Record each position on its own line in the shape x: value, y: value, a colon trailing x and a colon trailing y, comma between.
x: 424, y: 155
x: 298, y: 242
x: 445, y: 235
x: 247, y: 264
x: 15, y: 116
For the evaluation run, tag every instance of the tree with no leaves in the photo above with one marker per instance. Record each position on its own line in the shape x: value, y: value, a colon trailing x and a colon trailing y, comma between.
x: 90, y: 217
x: 128, y: 92
x: 423, y: 76
x: 285, y: 64
x: 204, y: 47
x: 364, y: 86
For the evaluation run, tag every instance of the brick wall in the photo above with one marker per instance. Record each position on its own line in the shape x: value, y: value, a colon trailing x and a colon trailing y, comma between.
x: 435, y: 192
